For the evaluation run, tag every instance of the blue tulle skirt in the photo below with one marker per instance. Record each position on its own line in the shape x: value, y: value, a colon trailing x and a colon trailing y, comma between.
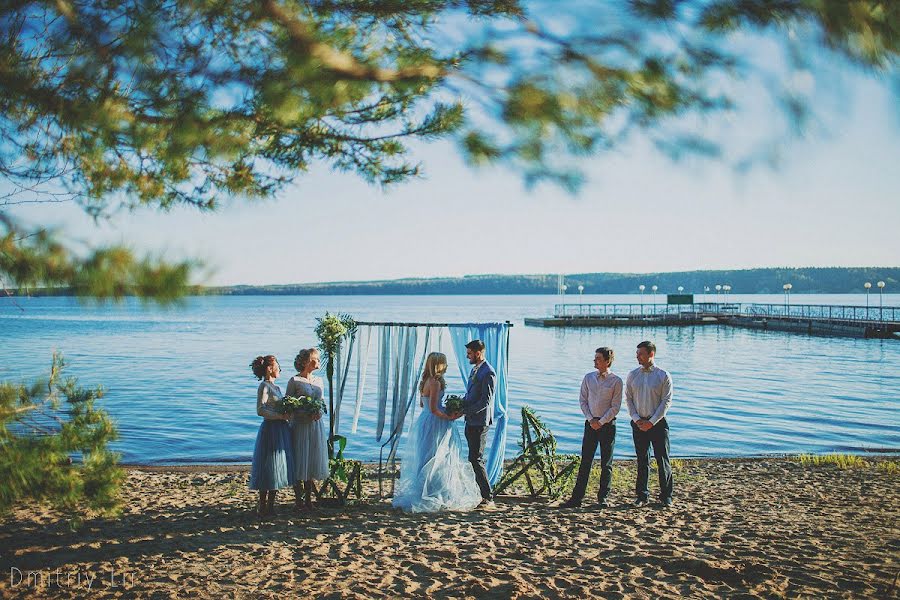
x: 310, y: 449
x: 273, y: 457
x: 434, y: 476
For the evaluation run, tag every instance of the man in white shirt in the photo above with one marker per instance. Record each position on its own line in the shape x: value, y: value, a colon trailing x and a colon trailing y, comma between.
x: 648, y: 393
x: 601, y: 399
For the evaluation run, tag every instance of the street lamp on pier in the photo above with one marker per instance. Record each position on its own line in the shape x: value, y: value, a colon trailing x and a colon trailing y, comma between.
x: 580, y: 290
x: 787, y: 295
x: 718, y: 291
x: 654, y: 288
x: 642, y: 287
x: 880, y: 285
x: 868, y: 286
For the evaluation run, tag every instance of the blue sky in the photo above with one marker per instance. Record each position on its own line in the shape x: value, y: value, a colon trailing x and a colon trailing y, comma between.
x: 834, y: 200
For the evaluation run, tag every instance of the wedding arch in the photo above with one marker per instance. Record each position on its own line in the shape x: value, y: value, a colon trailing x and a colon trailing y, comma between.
x: 401, y: 351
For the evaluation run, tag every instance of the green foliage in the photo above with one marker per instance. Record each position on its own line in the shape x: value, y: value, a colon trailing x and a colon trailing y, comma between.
x: 188, y: 101
x: 53, y: 446
x: 862, y: 30
x: 338, y: 464
x: 890, y: 467
x: 331, y: 331
x: 538, y: 463
x: 307, y: 405
x: 343, y: 470
x: 38, y: 258
x: 841, y: 461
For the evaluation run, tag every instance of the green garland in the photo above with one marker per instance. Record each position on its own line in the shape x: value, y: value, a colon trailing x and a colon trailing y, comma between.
x: 331, y: 331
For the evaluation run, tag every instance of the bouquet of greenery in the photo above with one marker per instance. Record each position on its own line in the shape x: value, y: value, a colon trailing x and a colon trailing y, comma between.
x: 303, y: 404
x: 454, y: 404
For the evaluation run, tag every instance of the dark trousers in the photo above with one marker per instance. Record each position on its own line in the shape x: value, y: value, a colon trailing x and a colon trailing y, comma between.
x: 605, y: 437
x: 476, y: 437
x: 658, y: 437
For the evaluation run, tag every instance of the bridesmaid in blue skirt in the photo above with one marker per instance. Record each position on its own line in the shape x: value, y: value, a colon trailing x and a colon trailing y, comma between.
x: 273, y: 456
x: 310, y: 433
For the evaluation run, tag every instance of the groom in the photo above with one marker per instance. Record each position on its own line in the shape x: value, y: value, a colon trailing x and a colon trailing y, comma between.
x: 479, y: 410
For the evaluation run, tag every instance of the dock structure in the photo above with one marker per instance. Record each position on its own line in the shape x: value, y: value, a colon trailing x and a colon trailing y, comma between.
x: 814, y: 319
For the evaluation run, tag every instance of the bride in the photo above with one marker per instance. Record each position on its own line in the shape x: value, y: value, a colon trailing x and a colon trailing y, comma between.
x: 433, y: 474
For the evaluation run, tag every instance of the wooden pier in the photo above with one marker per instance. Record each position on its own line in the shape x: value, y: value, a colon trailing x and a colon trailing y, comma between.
x: 832, y: 320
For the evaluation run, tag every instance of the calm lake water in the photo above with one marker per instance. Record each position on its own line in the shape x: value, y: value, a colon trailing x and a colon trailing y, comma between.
x: 179, y: 386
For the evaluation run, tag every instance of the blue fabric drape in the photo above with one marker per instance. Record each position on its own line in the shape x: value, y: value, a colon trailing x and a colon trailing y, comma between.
x: 362, y: 362
x: 413, y: 393
x: 342, y: 370
x: 384, y: 376
x: 495, y: 337
x: 407, y: 358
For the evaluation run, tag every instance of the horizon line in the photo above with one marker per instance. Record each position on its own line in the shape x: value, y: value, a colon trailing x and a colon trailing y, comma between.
x: 581, y: 274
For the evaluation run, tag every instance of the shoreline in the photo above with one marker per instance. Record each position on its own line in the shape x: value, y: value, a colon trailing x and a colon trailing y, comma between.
x: 233, y: 467
x: 751, y: 527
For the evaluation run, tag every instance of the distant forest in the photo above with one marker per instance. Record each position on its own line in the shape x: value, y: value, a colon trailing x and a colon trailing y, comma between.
x: 827, y: 280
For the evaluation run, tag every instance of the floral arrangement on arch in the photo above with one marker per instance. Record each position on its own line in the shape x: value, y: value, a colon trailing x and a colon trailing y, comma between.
x: 331, y: 330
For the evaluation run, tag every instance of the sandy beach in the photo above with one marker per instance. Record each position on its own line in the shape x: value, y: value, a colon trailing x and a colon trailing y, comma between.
x: 740, y: 528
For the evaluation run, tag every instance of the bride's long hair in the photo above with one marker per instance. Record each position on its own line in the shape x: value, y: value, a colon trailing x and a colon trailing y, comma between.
x: 435, y: 367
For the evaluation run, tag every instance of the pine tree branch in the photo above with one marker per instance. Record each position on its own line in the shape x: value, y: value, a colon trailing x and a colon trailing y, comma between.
x: 343, y: 63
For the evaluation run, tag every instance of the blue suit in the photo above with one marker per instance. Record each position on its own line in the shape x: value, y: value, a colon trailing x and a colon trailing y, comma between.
x: 479, y: 410
x: 479, y: 401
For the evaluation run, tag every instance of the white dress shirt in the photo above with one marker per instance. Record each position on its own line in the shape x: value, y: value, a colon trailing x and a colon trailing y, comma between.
x: 601, y: 396
x: 648, y: 393
x: 473, y: 371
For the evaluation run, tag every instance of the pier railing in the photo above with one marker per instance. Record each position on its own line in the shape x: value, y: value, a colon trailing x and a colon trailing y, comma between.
x: 825, y: 312
x: 622, y: 310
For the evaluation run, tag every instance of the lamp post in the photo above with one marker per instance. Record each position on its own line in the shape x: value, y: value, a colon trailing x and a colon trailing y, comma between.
x: 787, y: 297
x: 642, y: 287
x: 718, y: 290
x: 868, y: 286
x: 706, y: 291
x: 880, y: 285
x: 654, y: 288
x: 726, y: 288
x: 580, y: 290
